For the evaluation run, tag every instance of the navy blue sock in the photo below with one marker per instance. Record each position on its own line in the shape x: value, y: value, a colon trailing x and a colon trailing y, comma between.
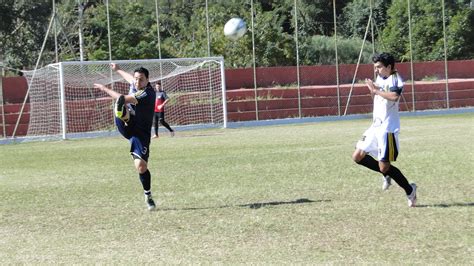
x: 145, y: 178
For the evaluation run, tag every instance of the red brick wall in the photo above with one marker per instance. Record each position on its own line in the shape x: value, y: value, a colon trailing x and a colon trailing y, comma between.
x: 326, y: 75
x: 317, y: 100
x: 14, y: 89
x: 322, y: 100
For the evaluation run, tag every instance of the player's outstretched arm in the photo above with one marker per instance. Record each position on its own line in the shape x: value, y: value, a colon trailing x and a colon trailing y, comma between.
x: 110, y: 92
x: 128, y: 98
x: 125, y: 75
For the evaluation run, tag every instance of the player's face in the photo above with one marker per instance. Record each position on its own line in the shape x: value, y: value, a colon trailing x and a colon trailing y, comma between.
x: 140, y: 80
x: 381, y: 70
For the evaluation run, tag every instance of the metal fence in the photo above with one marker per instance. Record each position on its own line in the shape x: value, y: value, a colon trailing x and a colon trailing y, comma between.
x: 327, y: 87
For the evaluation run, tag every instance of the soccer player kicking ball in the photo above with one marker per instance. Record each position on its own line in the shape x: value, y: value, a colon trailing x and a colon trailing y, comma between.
x: 134, y: 118
x: 381, y: 139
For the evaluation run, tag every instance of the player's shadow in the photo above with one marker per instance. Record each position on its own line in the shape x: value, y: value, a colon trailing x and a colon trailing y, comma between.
x: 446, y: 205
x: 256, y: 205
x: 259, y: 205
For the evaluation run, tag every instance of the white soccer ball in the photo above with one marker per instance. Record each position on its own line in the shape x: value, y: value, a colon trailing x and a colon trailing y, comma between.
x: 235, y: 28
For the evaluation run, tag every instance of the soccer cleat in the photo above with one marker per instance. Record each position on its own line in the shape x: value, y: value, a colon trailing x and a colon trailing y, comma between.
x: 149, y: 202
x: 412, y: 196
x: 172, y: 133
x: 387, y: 182
x: 121, y: 109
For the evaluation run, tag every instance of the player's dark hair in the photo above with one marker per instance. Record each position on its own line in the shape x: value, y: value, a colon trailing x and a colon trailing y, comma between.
x: 158, y: 83
x: 142, y: 70
x: 385, y: 58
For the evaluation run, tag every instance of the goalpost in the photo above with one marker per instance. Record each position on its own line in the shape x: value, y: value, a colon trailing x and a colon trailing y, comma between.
x: 64, y: 104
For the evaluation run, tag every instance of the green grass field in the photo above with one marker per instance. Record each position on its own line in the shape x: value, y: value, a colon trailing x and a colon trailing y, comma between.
x: 272, y: 195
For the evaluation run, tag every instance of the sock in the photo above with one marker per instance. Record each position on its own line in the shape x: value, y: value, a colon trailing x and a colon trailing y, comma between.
x: 369, y: 162
x: 145, y: 178
x: 401, y: 180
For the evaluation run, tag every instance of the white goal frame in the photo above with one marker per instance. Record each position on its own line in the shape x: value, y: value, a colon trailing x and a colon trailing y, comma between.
x: 195, y: 84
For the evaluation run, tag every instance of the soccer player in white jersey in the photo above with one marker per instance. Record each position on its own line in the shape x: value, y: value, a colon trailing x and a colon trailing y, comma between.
x: 381, y: 139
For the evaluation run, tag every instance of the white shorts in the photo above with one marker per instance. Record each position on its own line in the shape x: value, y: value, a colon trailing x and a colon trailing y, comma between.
x: 380, y: 144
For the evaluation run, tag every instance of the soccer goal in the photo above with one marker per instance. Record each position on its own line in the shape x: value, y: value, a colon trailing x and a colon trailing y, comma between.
x: 64, y: 104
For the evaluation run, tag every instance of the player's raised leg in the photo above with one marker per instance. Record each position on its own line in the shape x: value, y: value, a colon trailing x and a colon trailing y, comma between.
x: 120, y: 109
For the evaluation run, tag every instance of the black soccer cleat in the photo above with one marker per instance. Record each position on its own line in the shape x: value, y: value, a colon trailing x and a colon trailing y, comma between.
x: 121, y: 109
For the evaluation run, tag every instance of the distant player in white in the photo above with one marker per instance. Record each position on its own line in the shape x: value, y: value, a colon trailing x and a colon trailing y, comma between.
x: 381, y: 139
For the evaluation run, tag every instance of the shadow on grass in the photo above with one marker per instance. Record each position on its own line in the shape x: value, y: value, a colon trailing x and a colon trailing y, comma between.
x: 257, y: 205
x: 273, y: 203
x: 447, y: 205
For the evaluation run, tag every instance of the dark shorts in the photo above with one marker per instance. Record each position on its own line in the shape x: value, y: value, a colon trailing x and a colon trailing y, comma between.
x: 139, y: 141
x: 139, y: 148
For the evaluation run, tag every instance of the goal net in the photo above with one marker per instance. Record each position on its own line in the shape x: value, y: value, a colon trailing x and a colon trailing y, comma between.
x: 63, y: 102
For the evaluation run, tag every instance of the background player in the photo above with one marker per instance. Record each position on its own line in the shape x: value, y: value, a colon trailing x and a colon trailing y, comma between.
x: 381, y: 139
x: 161, y: 100
x: 134, y: 119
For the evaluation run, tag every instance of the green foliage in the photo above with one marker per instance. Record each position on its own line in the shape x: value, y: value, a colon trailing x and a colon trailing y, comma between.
x: 131, y: 38
x: 320, y: 50
x: 353, y: 21
x: 22, y: 32
x: 459, y: 37
x: 183, y: 30
x: 8, y: 16
x: 274, y: 47
x: 236, y: 53
x: 427, y: 30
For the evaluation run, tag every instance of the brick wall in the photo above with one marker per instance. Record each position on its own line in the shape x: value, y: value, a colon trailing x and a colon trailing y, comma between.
x: 319, y: 94
x: 326, y: 75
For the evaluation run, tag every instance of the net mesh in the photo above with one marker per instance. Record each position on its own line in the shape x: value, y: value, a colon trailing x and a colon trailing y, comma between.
x: 194, y: 87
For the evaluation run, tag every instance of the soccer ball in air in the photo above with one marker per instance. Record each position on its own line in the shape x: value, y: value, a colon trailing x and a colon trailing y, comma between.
x: 235, y: 28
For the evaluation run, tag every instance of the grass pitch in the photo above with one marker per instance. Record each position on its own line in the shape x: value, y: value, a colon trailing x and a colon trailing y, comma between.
x: 274, y: 195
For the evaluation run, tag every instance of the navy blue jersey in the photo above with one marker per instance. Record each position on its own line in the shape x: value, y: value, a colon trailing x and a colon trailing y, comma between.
x: 144, y: 110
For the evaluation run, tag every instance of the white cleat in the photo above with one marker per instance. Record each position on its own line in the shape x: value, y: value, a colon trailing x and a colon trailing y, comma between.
x: 387, y: 182
x: 149, y: 202
x: 412, y: 196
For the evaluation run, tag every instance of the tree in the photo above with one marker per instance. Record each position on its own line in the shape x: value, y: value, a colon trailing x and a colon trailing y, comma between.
x: 460, y: 37
x: 183, y: 31
x: 353, y: 20
x: 131, y: 36
x: 22, y: 32
x: 320, y: 50
x: 427, y: 30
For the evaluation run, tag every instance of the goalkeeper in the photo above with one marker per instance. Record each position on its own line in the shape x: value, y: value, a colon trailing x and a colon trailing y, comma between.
x: 134, y: 118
